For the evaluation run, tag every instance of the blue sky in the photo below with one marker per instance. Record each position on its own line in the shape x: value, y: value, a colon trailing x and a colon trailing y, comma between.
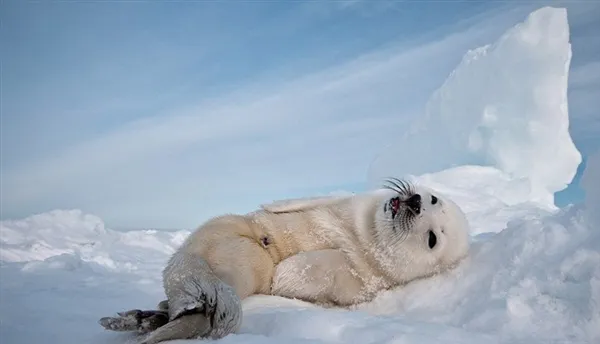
x: 156, y: 114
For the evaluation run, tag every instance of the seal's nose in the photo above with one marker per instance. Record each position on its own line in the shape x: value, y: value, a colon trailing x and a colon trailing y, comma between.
x: 414, y: 203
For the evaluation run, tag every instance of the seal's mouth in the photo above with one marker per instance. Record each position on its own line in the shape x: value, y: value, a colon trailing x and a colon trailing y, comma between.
x: 403, y: 208
x: 394, y: 206
x: 411, y: 204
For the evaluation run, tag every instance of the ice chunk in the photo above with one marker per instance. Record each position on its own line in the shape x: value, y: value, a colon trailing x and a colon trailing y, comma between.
x: 505, y: 106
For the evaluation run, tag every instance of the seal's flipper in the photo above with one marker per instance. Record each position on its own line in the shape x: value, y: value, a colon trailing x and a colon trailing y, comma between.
x: 135, y: 320
x: 193, y: 290
x: 191, y: 326
x: 300, y: 204
x: 163, y: 305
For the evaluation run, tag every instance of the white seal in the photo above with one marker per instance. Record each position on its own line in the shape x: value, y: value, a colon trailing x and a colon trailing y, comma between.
x: 337, y: 251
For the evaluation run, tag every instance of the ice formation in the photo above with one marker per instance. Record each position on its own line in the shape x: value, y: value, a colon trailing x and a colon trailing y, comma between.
x: 505, y: 106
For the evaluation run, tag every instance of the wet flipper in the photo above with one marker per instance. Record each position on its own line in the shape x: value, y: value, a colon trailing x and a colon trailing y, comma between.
x: 163, y: 305
x: 136, y: 320
x: 192, y: 326
x: 197, y: 297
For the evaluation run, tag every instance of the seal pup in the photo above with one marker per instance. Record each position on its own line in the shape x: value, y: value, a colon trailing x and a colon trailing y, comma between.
x: 333, y: 251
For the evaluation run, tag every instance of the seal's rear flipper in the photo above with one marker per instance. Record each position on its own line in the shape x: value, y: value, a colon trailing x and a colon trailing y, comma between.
x: 163, y: 305
x: 191, y: 326
x: 136, y: 320
x: 195, y: 294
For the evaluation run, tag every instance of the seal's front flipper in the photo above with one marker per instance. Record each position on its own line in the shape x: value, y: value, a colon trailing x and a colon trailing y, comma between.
x: 136, y: 320
x: 191, y: 326
x: 323, y: 272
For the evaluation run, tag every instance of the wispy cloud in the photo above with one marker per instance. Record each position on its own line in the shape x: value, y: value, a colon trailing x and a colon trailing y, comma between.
x: 267, y: 138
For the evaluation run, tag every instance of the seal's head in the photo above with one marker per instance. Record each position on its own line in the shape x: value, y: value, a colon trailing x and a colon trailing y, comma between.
x: 421, y: 231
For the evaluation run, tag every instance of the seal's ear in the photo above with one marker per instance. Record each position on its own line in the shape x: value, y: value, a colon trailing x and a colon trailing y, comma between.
x: 300, y: 204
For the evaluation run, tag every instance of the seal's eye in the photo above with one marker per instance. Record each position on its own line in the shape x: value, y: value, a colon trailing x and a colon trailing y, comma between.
x: 432, y: 240
x: 433, y: 199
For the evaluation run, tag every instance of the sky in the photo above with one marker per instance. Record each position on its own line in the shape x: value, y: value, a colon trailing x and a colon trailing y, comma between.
x: 162, y: 114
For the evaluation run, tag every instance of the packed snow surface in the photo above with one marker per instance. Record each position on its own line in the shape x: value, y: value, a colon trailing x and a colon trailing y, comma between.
x: 505, y: 105
x: 533, y: 274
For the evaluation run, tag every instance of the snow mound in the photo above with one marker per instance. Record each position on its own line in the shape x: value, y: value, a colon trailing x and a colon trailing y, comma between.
x: 70, y: 239
x: 505, y: 106
x: 489, y: 197
x: 538, y: 281
x: 45, y: 235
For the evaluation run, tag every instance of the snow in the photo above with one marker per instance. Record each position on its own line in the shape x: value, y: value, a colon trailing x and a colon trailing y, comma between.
x: 537, y: 279
x: 504, y: 106
x: 533, y: 275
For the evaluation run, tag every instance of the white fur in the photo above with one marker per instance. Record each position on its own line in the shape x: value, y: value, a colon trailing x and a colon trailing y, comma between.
x: 369, y: 254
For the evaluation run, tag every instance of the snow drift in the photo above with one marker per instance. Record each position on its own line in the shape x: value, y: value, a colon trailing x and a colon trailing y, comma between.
x: 505, y: 106
x: 533, y: 275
